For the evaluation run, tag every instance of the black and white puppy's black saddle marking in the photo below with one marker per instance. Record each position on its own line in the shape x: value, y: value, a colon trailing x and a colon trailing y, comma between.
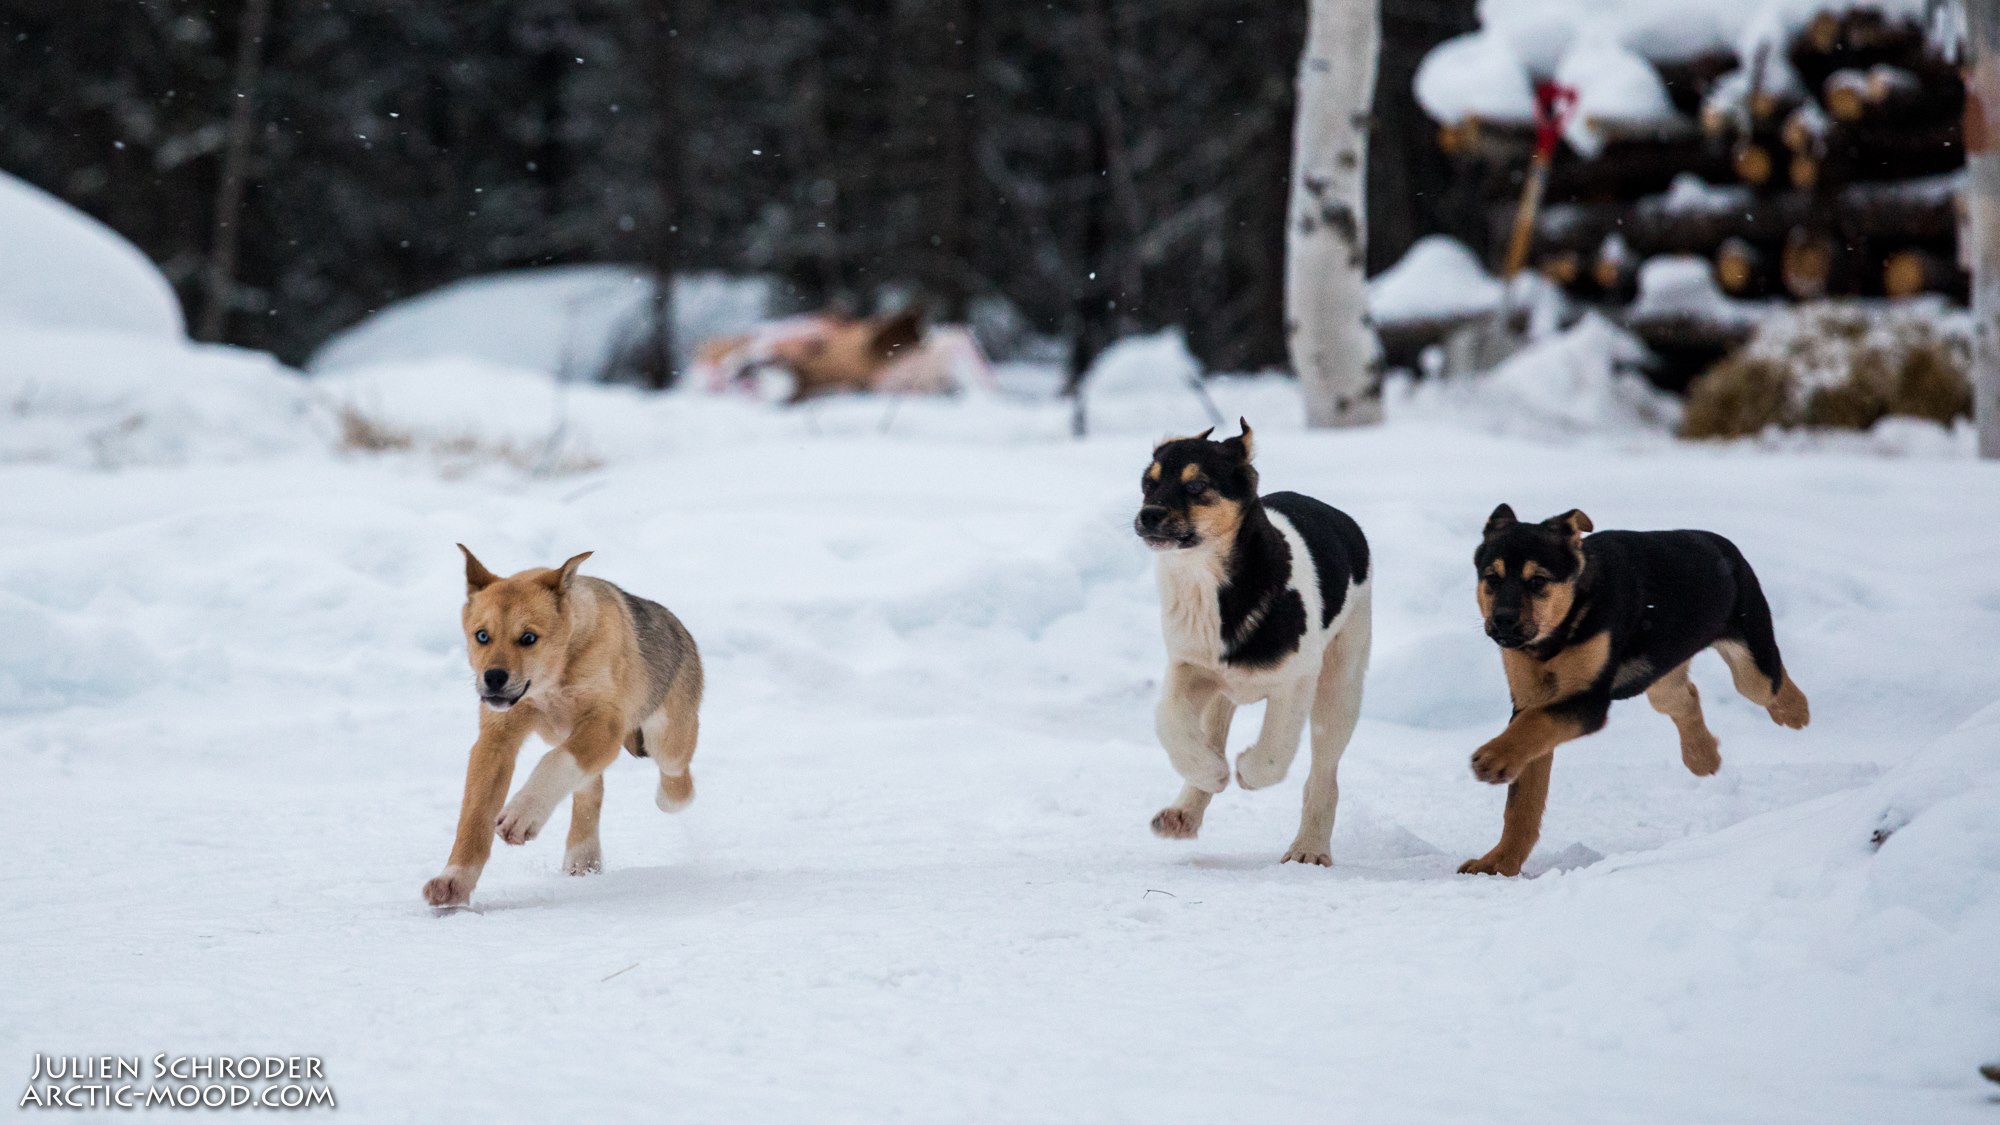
x: 1261, y: 599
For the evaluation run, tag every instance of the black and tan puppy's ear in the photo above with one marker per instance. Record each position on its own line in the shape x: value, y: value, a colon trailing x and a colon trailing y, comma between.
x: 1573, y: 521
x: 560, y: 578
x: 1501, y: 519
x: 477, y: 577
x: 1243, y: 445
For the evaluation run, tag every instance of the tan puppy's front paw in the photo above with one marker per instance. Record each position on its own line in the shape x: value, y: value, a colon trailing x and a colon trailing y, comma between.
x: 1492, y: 863
x: 453, y: 887
x: 517, y: 825
x: 584, y: 859
x: 1176, y: 824
x: 1317, y: 857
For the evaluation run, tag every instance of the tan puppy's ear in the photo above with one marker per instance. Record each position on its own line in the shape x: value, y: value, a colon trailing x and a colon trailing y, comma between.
x: 1243, y: 445
x: 1572, y: 521
x: 1501, y: 519
x: 477, y: 577
x: 560, y: 578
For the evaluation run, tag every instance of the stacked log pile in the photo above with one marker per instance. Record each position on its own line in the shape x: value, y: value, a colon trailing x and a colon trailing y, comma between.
x: 1826, y: 167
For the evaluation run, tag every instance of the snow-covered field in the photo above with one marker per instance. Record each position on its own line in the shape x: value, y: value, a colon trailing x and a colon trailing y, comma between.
x: 917, y: 883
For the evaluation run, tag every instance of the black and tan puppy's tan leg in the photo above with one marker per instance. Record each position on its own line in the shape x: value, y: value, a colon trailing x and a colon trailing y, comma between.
x: 487, y: 775
x: 1191, y: 690
x: 1783, y: 700
x: 1521, y: 825
x: 591, y: 746
x: 1675, y: 696
x: 1532, y: 734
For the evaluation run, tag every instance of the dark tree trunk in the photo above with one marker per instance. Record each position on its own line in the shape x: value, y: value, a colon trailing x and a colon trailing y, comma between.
x: 221, y: 272
x: 1412, y: 187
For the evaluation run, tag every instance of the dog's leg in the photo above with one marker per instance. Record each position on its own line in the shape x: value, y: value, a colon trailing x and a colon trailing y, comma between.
x: 592, y: 745
x: 1536, y: 732
x: 1182, y: 819
x: 1336, y: 708
x: 1675, y: 696
x: 1785, y: 703
x: 1182, y: 729
x: 673, y: 729
x: 486, y: 777
x: 1266, y: 760
x: 1522, y: 824
x: 583, y: 855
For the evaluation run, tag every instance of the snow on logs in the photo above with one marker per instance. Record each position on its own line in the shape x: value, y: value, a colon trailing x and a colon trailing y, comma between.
x: 1793, y: 157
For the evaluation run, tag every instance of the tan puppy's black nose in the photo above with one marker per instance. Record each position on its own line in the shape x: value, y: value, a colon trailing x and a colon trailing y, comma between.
x: 1151, y: 515
x: 496, y: 678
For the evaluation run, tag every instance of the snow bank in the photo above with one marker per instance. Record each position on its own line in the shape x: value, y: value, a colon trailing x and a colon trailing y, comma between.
x: 1475, y: 75
x: 1581, y: 381
x: 60, y: 268
x: 112, y: 400
x: 1437, y: 278
x: 565, y: 321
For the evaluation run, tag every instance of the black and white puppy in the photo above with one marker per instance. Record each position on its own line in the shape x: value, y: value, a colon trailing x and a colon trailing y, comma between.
x: 1260, y: 599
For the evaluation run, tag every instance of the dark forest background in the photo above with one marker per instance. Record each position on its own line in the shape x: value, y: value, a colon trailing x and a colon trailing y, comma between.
x: 1104, y: 165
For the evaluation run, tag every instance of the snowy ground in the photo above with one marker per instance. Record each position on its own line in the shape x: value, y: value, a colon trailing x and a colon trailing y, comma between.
x: 917, y: 882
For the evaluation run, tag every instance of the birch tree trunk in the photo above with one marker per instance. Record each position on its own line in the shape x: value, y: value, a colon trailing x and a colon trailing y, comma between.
x: 1982, y: 206
x: 1332, y: 345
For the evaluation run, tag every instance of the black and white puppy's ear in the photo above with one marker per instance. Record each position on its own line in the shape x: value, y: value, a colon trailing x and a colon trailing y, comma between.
x: 1573, y: 523
x: 1501, y: 519
x: 1167, y: 441
x: 1243, y: 445
x: 477, y: 577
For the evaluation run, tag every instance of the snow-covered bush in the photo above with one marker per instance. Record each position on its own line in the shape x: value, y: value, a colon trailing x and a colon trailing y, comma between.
x: 1839, y: 365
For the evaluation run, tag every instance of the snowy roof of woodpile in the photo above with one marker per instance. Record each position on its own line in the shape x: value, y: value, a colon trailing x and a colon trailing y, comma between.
x: 1606, y: 49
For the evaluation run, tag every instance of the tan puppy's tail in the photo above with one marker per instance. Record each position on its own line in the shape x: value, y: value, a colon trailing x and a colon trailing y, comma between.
x: 675, y: 792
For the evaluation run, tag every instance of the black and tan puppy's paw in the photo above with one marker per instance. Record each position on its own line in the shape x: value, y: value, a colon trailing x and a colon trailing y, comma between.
x: 1492, y: 863
x: 1310, y: 856
x: 1497, y: 763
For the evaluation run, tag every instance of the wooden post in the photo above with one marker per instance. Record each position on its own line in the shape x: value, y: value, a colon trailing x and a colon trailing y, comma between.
x: 1332, y: 344
x: 1982, y: 206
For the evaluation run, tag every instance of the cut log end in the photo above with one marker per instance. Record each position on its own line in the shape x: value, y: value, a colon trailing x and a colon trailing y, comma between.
x: 1753, y: 163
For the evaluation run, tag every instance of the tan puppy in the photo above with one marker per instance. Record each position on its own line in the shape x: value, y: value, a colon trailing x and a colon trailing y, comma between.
x: 588, y: 667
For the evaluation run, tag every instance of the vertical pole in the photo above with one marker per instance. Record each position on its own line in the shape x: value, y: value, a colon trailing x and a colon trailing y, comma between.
x: 1982, y: 205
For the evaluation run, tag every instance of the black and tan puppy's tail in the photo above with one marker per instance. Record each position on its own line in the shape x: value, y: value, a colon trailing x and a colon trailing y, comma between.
x: 1751, y: 650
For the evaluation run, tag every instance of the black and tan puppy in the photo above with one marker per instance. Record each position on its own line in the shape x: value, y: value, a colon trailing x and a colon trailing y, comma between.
x: 1582, y: 622
x: 589, y: 668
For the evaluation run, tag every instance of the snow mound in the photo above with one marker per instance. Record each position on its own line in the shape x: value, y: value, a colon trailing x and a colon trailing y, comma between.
x: 1437, y: 278
x: 566, y: 321
x: 60, y: 268
x: 1160, y: 362
x: 1581, y: 381
x: 113, y: 400
x: 1683, y: 285
x: 1613, y: 84
x: 472, y: 406
x: 1475, y: 75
